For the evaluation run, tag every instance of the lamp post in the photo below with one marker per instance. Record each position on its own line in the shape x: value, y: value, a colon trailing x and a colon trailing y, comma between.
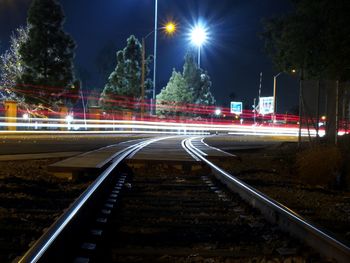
x: 199, y: 36
x: 274, y: 96
x: 84, y: 108
x: 155, y: 52
x: 143, y: 79
x: 293, y: 71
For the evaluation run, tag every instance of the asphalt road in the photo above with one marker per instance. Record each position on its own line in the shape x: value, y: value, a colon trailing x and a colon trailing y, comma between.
x: 234, y: 143
x: 27, y: 144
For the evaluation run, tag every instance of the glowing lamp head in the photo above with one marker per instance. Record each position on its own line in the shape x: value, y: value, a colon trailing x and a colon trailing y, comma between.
x: 25, y: 116
x: 199, y: 35
x: 170, y: 28
x: 218, y: 112
x: 69, y: 118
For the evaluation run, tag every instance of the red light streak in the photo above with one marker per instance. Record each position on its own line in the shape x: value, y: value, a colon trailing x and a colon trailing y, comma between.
x: 201, y: 114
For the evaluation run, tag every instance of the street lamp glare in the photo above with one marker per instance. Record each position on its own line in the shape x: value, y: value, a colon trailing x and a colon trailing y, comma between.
x: 170, y: 28
x: 218, y: 112
x: 199, y: 35
x: 69, y: 118
x: 25, y: 116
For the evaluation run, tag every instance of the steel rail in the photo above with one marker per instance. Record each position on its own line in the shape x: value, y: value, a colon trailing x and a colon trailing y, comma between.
x: 47, y: 243
x: 285, y: 218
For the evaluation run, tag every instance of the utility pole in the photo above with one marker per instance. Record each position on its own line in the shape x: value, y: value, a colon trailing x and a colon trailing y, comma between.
x: 199, y: 56
x: 143, y: 79
x: 318, y: 110
x: 260, y: 85
x: 83, y: 102
x: 300, y: 104
x: 274, y: 99
x: 336, y: 112
x: 274, y: 96
x: 155, y: 56
x: 254, y: 111
x: 259, y: 94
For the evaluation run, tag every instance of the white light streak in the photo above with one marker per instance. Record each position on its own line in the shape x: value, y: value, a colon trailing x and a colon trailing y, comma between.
x: 70, y: 125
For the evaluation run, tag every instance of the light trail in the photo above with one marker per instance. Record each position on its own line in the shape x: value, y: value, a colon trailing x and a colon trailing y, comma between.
x: 134, y: 104
x: 200, y: 118
x: 57, y: 125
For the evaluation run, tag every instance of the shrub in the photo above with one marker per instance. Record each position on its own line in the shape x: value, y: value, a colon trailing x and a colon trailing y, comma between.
x: 320, y: 165
x: 344, y: 144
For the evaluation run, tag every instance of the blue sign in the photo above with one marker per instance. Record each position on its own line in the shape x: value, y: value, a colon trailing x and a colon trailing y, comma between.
x: 236, y: 107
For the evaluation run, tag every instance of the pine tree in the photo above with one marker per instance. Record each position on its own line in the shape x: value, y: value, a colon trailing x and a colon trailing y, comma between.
x: 190, y: 87
x: 133, y: 63
x: 206, y: 98
x: 174, y: 97
x: 198, y: 81
x: 192, y: 75
x: 47, y: 55
x: 123, y: 88
x: 116, y: 85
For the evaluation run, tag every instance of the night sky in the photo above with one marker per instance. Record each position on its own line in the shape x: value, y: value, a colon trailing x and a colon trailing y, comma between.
x: 234, y: 56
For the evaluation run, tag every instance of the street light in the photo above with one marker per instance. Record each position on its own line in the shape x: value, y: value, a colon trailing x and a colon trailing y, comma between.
x: 274, y: 92
x: 69, y: 118
x: 169, y: 28
x: 274, y: 95
x: 155, y: 50
x: 199, y: 36
x: 25, y: 116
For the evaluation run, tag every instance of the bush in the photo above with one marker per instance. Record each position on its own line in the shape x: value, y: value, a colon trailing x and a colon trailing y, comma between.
x: 344, y: 145
x: 320, y: 165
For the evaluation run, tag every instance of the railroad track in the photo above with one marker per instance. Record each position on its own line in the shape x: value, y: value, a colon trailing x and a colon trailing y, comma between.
x: 186, y: 210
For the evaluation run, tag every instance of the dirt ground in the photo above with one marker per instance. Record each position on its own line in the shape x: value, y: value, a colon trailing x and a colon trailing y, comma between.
x: 30, y: 201
x: 273, y: 171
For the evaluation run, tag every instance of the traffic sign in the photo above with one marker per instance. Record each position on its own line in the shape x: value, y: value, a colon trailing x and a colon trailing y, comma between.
x: 236, y: 107
x: 266, y: 105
